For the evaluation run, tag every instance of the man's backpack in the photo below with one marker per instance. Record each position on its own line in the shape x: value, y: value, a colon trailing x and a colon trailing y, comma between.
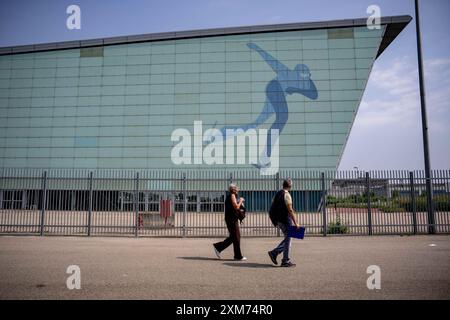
x: 273, y: 217
x: 275, y: 211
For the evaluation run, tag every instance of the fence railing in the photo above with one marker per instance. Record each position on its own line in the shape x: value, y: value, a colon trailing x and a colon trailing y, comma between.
x: 191, y: 203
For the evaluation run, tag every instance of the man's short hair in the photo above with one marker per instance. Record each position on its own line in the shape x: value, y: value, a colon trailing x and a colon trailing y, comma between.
x: 287, y: 183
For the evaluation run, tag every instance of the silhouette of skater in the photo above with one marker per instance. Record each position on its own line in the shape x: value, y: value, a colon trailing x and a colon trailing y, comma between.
x: 286, y: 82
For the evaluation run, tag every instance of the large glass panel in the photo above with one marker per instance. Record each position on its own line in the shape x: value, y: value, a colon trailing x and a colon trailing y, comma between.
x: 118, y: 106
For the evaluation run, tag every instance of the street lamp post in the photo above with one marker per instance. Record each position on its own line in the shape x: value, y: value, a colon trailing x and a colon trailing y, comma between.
x: 426, y: 151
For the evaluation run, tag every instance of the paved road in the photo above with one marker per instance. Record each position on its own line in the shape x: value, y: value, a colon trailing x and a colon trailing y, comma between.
x: 161, y: 268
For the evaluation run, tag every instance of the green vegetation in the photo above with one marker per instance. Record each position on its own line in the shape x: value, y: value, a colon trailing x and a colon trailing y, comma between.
x: 336, y: 227
x: 441, y: 203
x: 397, y: 203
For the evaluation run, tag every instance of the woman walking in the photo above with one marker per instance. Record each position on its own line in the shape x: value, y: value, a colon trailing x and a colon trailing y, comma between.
x: 232, y: 205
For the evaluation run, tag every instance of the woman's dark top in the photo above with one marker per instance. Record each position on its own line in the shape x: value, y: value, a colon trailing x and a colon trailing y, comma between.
x: 230, y: 212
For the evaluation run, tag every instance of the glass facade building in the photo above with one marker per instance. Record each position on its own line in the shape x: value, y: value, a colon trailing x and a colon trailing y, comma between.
x: 115, y: 103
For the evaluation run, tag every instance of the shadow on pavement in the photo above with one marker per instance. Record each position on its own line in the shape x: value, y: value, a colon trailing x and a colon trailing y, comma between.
x: 204, y: 259
x: 250, y: 265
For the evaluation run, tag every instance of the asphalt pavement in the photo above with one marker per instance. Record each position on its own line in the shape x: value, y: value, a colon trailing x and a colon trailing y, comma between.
x: 411, y: 267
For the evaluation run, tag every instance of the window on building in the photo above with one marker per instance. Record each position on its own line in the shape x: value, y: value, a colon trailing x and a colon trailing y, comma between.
x: 342, y: 33
x: 91, y: 52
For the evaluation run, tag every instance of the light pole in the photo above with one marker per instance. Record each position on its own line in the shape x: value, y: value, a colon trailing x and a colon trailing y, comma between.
x: 426, y: 150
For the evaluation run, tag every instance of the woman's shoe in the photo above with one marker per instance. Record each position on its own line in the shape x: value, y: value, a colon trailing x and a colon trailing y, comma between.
x: 241, y: 259
x: 217, y: 252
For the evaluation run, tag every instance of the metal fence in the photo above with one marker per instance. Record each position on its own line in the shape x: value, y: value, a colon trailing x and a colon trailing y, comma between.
x: 191, y: 203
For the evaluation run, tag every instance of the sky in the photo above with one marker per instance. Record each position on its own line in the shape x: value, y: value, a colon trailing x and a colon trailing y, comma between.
x: 387, y: 132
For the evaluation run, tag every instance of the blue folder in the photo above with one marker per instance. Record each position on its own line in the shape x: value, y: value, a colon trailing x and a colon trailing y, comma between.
x: 293, y: 232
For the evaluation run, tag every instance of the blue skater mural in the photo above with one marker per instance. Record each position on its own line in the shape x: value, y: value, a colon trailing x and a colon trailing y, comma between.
x: 286, y: 82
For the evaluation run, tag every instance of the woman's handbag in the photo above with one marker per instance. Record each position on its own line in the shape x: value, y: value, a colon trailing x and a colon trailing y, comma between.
x: 240, y: 213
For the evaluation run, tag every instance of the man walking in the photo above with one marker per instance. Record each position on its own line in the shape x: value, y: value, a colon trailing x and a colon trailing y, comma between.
x: 282, y: 215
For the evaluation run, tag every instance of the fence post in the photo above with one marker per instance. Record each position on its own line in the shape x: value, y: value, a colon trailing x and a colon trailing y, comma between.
x: 43, y: 201
x: 90, y: 203
x: 324, y: 204
x: 277, y: 182
x: 413, y: 201
x: 369, y: 207
x: 430, y: 205
x: 184, y: 205
x: 1, y: 191
x: 136, y: 204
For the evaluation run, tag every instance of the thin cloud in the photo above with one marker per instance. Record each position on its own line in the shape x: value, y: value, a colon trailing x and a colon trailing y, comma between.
x: 389, y: 117
x: 397, y: 99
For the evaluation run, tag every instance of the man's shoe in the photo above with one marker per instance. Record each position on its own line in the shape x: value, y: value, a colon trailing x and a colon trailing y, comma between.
x: 288, y: 264
x: 272, y: 257
x: 217, y: 252
x: 241, y: 259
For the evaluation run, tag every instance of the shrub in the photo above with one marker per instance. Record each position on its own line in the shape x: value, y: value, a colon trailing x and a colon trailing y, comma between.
x: 336, y: 227
x: 391, y: 208
x: 400, y: 204
x: 441, y: 203
x: 351, y: 205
